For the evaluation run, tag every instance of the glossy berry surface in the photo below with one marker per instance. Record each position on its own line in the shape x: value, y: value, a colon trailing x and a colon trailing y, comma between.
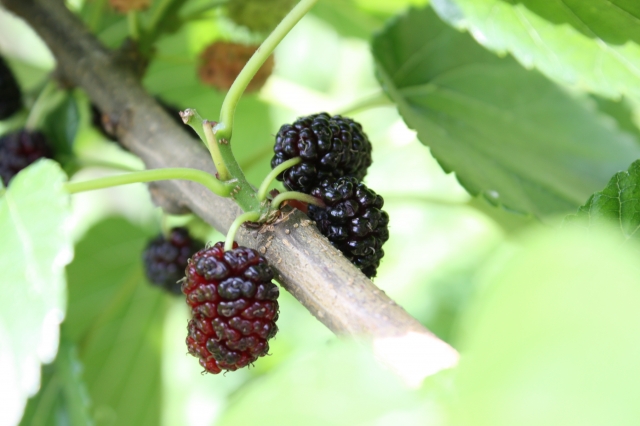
x: 20, y: 149
x: 353, y: 221
x: 234, y: 306
x: 10, y: 95
x: 330, y: 147
x: 165, y: 259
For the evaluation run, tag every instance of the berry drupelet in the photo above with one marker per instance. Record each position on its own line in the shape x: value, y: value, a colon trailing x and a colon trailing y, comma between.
x: 352, y: 221
x: 165, y: 259
x: 330, y: 147
x: 10, y: 94
x: 234, y: 306
x: 20, y: 149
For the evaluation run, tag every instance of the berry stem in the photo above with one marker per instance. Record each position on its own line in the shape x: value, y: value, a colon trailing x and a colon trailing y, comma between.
x: 225, y: 126
x: 214, y: 148
x: 243, y: 192
x: 222, y: 189
x: 158, y: 15
x: 96, y: 15
x: 264, y: 186
x: 204, y: 128
x: 47, y: 98
x: 295, y: 195
x: 134, y: 24
x: 233, y: 229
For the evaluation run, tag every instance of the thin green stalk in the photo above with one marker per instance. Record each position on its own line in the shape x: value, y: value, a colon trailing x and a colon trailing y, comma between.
x: 132, y: 22
x: 214, y: 149
x: 222, y: 189
x: 243, y: 193
x: 96, y: 15
x: 47, y: 98
x: 264, y: 186
x: 158, y: 14
x: 294, y: 195
x: 225, y: 126
x: 233, y: 229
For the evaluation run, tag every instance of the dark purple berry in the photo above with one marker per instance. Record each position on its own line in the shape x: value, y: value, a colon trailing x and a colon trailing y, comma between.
x: 165, y: 259
x: 352, y: 221
x: 10, y: 94
x: 20, y: 149
x: 330, y: 147
x: 234, y: 306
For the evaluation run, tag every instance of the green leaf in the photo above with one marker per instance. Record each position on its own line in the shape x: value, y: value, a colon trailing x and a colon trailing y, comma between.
x: 116, y: 318
x: 625, y: 113
x: 551, y: 339
x: 508, y: 133
x: 347, y: 18
x: 63, y: 399
x: 591, y: 44
x: 61, y: 125
x: 338, y: 384
x: 34, y: 248
x: 618, y: 204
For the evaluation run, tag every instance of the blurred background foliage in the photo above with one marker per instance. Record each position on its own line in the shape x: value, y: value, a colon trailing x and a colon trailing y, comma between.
x: 547, y: 317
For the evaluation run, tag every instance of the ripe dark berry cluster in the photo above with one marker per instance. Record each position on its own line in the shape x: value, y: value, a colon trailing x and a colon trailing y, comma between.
x: 165, y: 259
x: 10, y: 95
x: 330, y: 147
x: 20, y: 149
x: 234, y: 306
x: 352, y: 221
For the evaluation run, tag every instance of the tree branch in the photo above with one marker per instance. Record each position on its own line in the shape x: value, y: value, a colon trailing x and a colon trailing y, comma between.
x: 327, y: 284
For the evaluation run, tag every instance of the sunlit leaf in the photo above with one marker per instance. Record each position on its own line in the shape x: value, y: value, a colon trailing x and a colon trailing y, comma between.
x: 508, y: 133
x: 592, y: 44
x: 338, y: 384
x: 550, y: 340
x: 63, y: 399
x: 34, y: 248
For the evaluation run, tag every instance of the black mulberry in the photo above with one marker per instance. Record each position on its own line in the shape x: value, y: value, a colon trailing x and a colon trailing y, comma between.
x: 330, y: 147
x: 20, y: 149
x: 352, y: 221
x: 165, y: 259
